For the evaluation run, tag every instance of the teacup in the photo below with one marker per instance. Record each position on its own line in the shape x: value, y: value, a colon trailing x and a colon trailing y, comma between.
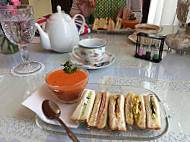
x: 92, y: 50
x: 148, y: 28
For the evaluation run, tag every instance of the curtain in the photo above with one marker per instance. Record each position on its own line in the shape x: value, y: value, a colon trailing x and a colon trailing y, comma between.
x: 163, y: 12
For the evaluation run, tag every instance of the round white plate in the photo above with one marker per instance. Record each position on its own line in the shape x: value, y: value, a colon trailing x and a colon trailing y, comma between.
x: 133, y: 38
x: 107, y: 61
x: 116, y: 31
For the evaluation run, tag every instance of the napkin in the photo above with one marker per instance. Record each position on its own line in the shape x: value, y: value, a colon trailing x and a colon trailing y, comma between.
x: 34, y: 103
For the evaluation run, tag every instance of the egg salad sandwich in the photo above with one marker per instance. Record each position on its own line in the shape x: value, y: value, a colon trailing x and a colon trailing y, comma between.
x: 129, y: 117
x: 116, y: 113
x: 152, y: 112
x: 139, y: 112
x: 84, y: 107
x: 135, y: 110
x: 98, y: 116
x: 101, y: 23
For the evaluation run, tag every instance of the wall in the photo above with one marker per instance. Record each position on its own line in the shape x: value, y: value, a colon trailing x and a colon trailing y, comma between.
x: 41, y: 7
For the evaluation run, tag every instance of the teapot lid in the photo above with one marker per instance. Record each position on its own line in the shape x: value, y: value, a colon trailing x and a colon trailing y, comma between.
x: 59, y: 16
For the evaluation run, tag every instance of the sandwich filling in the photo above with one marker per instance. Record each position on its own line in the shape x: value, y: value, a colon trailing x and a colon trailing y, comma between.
x: 137, y: 108
x: 152, y: 106
x: 86, y: 99
x: 101, y: 23
x: 116, y: 106
x: 102, y: 104
x: 132, y: 105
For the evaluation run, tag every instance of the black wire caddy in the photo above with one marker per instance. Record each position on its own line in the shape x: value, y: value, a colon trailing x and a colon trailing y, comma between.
x: 149, y: 47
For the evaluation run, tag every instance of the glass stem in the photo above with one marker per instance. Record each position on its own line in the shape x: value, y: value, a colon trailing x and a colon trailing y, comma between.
x: 25, y: 54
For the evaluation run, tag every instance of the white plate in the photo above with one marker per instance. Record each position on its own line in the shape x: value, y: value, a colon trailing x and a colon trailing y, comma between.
x: 117, y: 31
x: 133, y: 38
x: 107, y: 61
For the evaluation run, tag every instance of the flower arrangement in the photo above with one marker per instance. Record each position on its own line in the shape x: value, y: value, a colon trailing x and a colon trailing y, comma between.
x: 14, y: 2
x: 10, y: 2
x: 6, y: 46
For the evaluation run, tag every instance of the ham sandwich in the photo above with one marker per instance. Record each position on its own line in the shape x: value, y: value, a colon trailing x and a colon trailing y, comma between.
x: 98, y: 117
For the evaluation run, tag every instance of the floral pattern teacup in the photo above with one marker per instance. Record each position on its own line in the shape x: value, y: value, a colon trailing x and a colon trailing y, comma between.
x: 91, y: 50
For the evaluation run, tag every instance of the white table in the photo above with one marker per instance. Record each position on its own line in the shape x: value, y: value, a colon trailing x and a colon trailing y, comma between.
x: 169, y: 79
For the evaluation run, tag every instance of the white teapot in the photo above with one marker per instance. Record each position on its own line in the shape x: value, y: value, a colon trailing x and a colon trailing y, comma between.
x: 61, y: 33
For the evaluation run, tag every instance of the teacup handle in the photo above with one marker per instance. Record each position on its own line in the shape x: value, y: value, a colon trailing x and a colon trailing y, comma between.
x: 83, y: 21
x: 74, y: 54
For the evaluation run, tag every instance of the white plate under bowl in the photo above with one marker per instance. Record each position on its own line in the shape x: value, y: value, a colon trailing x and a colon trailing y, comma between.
x: 107, y: 61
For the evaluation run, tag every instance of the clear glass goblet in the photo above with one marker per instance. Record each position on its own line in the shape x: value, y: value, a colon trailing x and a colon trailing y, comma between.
x: 18, y: 25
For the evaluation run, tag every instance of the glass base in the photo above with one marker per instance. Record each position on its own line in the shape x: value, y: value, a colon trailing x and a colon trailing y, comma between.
x: 30, y: 68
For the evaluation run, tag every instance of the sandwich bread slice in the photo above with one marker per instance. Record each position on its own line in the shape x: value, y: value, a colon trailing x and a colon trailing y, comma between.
x: 116, y: 113
x: 139, y: 112
x: 129, y: 100
x: 152, y: 112
x: 101, y: 24
x: 95, y: 24
x: 111, y: 25
x: 84, y: 107
x: 105, y: 24
x: 98, y: 116
x: 118, y: 23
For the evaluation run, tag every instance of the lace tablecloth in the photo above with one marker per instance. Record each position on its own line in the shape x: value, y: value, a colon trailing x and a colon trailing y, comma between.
x: 169, y: 79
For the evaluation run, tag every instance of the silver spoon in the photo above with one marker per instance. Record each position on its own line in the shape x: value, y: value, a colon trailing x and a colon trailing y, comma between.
x: 52, y: 111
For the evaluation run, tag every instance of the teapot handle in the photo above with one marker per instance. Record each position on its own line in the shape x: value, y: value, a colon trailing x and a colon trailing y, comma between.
x: 83, y: 21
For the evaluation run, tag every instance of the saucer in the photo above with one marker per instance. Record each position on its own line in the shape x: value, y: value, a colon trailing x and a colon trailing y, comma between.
x: 107, y: 61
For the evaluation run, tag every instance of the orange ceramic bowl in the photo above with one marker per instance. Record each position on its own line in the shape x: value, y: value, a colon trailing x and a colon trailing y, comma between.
x: 129, y: 23
x: 67, y: 87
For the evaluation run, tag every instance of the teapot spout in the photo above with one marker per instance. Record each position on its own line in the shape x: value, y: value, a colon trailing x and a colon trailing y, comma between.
x: 44, y: 37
